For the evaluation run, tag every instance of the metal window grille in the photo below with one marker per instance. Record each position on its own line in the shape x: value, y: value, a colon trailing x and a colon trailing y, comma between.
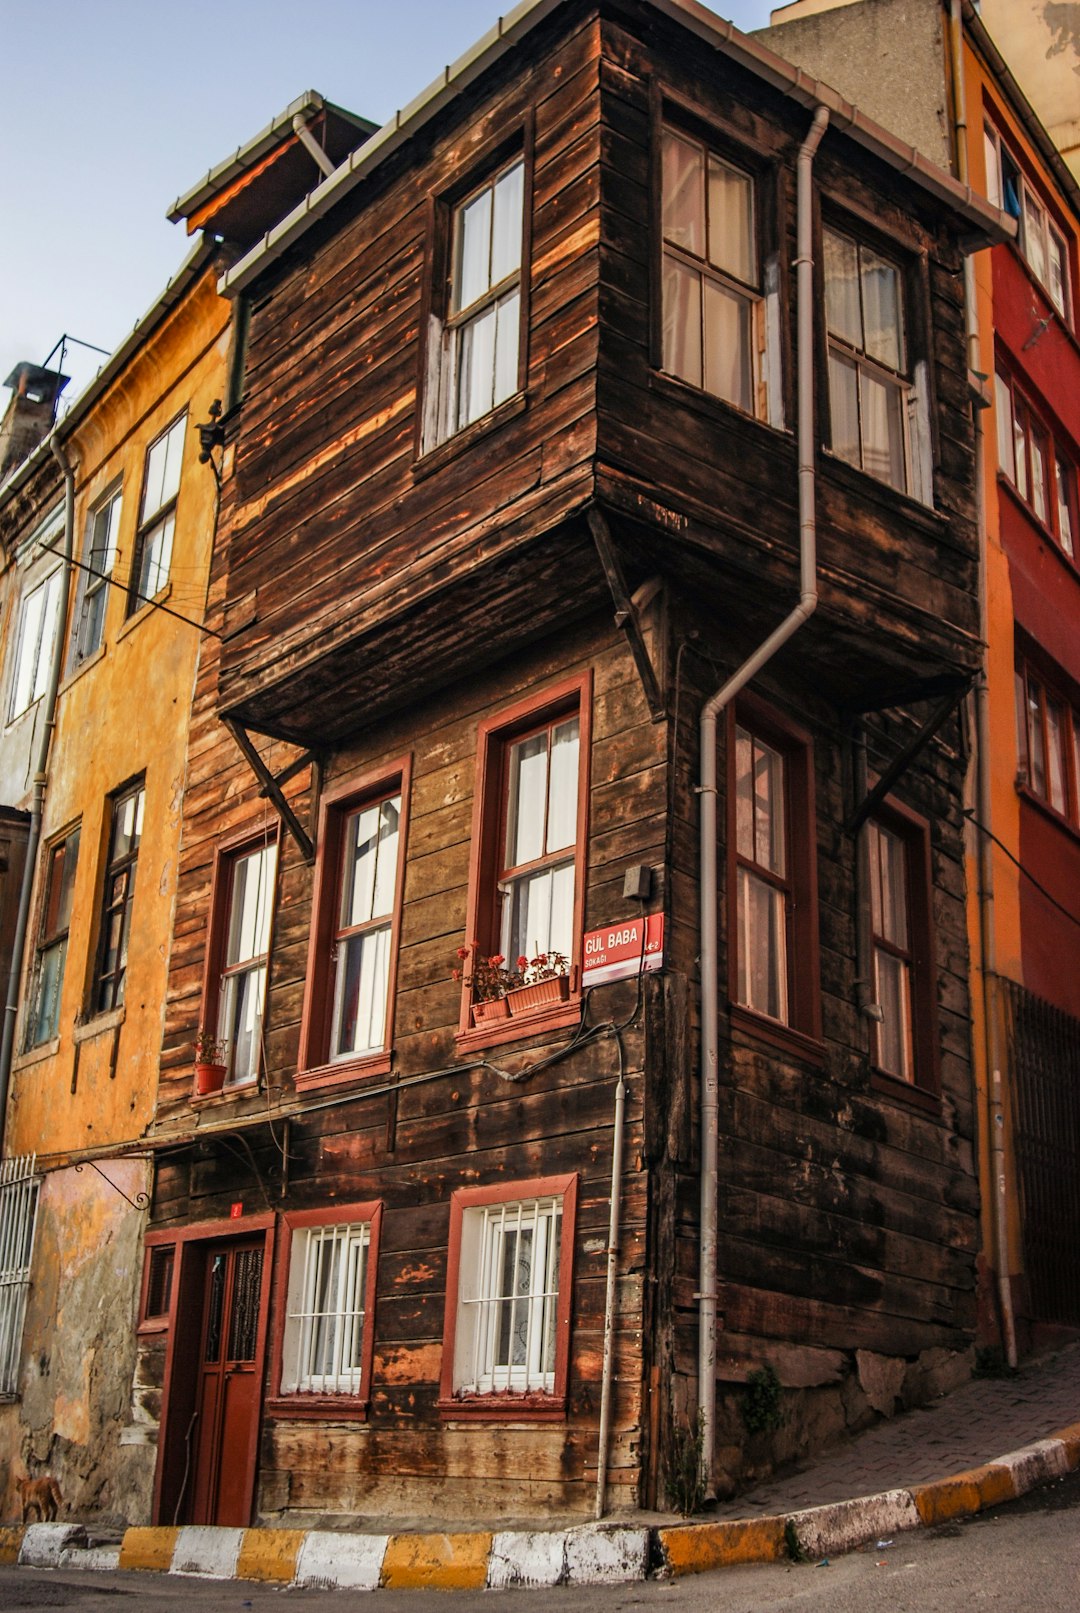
x: 327, y: 1323
x: 18, y: 1213
x: 513, y: 1313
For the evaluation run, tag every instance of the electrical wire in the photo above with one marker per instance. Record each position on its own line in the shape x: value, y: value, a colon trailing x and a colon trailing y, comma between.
x: 969, y: 812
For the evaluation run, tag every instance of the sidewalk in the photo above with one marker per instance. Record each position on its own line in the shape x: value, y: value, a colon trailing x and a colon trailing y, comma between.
x: 988, y: 1442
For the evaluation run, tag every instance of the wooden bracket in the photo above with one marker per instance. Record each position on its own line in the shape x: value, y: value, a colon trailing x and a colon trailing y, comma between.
x: 272, y: 786
x: 900, y: 763
x: 626, y: 617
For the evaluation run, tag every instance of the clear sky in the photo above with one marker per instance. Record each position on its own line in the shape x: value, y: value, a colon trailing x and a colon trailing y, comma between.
x: 113, y: 108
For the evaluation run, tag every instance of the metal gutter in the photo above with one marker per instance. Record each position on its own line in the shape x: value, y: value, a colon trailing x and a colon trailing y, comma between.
x: 247, y: 156
x: 987, y: 221
x: 185, y: 277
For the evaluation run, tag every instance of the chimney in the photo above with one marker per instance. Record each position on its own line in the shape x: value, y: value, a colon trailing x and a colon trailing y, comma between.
x: 29, y: 416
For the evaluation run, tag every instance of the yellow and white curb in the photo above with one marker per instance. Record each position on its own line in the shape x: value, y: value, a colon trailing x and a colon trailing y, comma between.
x: 593, y: 1554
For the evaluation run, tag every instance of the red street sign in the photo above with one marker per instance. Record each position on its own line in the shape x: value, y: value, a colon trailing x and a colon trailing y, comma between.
x: 615, y: 952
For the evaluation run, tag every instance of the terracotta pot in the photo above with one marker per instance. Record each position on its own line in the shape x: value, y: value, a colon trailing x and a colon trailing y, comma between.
x: 209, y: 1078
x: 527, y: 999
x: 496, y: 1008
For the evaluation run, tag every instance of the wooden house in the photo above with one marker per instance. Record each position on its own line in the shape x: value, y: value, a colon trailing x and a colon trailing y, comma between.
x: 517, y: 473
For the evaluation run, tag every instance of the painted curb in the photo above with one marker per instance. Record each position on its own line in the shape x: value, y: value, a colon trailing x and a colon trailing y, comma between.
x: 591, y: 1554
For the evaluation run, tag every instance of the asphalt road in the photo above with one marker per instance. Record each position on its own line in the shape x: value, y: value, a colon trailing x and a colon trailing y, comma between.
x: 1019, y: 1558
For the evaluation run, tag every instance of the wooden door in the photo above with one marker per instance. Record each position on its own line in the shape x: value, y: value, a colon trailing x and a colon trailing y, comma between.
x: 228, y: 1384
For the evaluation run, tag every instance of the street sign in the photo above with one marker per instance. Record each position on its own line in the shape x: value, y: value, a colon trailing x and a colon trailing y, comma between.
x: 615, y: 952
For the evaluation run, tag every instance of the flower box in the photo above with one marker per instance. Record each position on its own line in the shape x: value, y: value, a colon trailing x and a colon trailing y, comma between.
x: 494, y: 1008
x: 541, y: 994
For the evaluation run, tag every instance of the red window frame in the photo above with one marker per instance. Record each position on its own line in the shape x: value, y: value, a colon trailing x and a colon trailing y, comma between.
x: 302, y: 1403
x: 509, y: 1405
x: 495, y: 737
x: 226, y: 856
x: 1034, y: 695
x: 913, y: 832
x: 157, y: 1245
x: 802, y: 1028
x: 340, y: 800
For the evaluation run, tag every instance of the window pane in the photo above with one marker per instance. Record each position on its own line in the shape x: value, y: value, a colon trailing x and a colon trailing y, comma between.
x: 883, y: 319
x: 1065, y: 485
x: 844, y: 408
x: 744, y: 794
x: 993, y: 175
x: 769, y: 850
x: 506, y: 227
x: 46, y: 1021
x: 1058, y: 278
x: 1020, y: 453
x: 323, y: 1346
x: 476, y: 366
x: 728, y: 349
x: 888, y: 886
x: 156, y: 558
x: 1005, y: 440
x: 507, y: 347
x: 893, y: 992
x: 1039, y: 475
x: 472, y: 275
x: 163, y: 470
x: 1055, y: 754
x: 249, y: 913
x: 762, y: 950
x: 538, y: 913
x: 682, y: 321
x: 842, y: 288
x: 370, y: 862
x: 563, y: 786
x: 883, y: 430
x: 684, y: 195
x: 360, y: 993
x: 26, y: 659
x: 731, y: 221
x: 242, y: 996
x: 1035, y: 237
x: 525, y: 810
x: 509, y: 1295
x: 1035, y: 738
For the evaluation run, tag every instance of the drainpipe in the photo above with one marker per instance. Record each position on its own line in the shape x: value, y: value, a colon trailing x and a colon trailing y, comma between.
x: 312, y: 146
x: 983, y: 796
x: 614, y: 1224
x: 11, y: 1007
x: 808, y: 598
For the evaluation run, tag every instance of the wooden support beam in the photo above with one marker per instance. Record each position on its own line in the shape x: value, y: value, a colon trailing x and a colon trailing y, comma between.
x: 626, y: 617
x: 902, y: 761
x: 272, y: 788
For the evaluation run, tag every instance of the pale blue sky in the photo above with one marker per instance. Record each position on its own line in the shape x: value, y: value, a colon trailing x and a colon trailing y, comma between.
x: 113, y: 108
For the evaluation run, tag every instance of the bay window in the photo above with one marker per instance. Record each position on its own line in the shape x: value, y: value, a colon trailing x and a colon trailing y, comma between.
x: 1041, y: 243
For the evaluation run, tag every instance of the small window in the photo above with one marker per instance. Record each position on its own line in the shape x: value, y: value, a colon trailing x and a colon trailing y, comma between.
x: 92, y: 596
x: 125, y: 834
x: 1041, y: 243
x: 348, y: 1010
x: 713, y: 310
x: 480, y: 355
x: 508, y: 1318
x: 327, y: 1273
x: 902, y: 938
x: 772, y: 907
x: 60, y: 861
x: 157, y: 1294
x: 38, y: 627
x: 157, y: 515
x: 249, y: 877
x: 869, y: 376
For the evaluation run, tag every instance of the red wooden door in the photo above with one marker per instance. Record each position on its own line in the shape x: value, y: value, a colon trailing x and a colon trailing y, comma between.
x: 228, y: 1384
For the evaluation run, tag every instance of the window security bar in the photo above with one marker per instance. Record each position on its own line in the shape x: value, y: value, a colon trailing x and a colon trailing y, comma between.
x: 18, y: 1213
x: 330, y: 1317
x: 516, y: 1304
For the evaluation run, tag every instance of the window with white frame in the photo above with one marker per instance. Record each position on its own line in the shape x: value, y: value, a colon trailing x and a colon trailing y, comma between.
x: 323, y: 1345
x: 506, y: 1332
x: 1036, y: 466
x: 19, y: 1188
x: 242, y: 988
x: 869, y: 386
x: 361, y: 948
x: 157, y: 515
x: 38, y: 627
x: 1041, y: 242
x: 481, y: 341
x: 61, y: 860
x: 713, y: 310
x: 537, y: 879
x: 1048, y: 731
x: 99, y: 557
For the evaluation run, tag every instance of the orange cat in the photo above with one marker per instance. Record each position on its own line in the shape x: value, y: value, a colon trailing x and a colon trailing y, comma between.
x: 41, y: 1496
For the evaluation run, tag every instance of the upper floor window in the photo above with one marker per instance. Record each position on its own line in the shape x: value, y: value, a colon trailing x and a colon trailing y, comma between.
x: 869, y: 375
x: 481, y: 319
x: 38, y: 627
x: 99, y: 556
x: 242, y: 949
x: 355, y: 926
x: 902, y: 947
x: 125, y: 836
x: 61, y: 860
x: 771, y: 920
x: 157, y: 515
x: 1041, y: 242
x: 1048, y: 730
x: 1038, y: 469
x: 713, y: 311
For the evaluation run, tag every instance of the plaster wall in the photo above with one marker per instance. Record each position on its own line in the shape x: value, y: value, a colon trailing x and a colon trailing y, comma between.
x: 1040, y: 40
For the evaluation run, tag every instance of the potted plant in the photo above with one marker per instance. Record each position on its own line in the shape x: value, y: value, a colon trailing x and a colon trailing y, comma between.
x: 211, y: 1062
x: 488, y: 979
x: 544, y: 979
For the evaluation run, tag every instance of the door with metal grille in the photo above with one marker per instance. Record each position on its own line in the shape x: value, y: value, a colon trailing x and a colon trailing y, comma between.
x: 229, y: 1381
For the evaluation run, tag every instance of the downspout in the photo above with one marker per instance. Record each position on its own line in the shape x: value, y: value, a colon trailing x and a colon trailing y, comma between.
x: 312, y: 146
x: 983, y: 794
x: 18, y: 948
x: 808, y: 598
x: 614, y: 1225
